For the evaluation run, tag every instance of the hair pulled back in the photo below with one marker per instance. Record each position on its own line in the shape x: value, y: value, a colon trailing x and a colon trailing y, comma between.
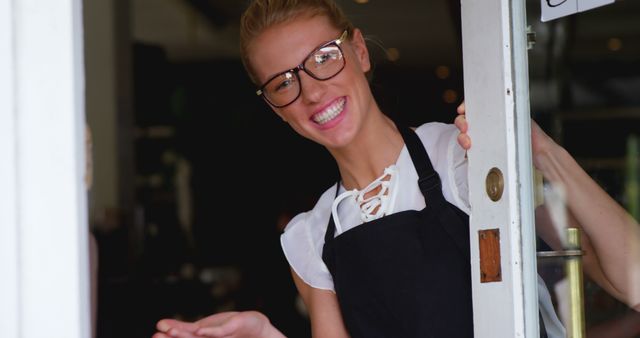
x: 262, y: 14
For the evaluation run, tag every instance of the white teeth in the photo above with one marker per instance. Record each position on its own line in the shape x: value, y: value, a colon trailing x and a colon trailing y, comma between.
x: 330, y: 112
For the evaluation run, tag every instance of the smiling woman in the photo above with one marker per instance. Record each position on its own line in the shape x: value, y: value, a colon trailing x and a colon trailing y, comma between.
x: 309, y: 64
x: 385, y: 250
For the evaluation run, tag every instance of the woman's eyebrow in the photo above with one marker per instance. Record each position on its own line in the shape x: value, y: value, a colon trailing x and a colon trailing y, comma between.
x: 270, y: 77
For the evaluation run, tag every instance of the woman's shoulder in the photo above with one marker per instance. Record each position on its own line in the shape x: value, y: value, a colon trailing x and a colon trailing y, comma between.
x: 434, y: 131
x: 303, y: 239
x: 314, y: 221
x: 448, y: 159
x: 437, y: 138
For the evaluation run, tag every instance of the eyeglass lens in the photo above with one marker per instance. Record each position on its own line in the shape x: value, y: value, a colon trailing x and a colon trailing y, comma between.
x: 324, y: 63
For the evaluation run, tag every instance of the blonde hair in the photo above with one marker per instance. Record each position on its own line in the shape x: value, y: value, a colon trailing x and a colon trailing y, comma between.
x: 262, y: 14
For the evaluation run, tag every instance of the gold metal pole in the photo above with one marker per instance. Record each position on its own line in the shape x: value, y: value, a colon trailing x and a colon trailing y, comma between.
x: 573, y: 267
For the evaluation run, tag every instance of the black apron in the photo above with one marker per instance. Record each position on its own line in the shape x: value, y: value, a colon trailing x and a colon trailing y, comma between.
x: 406, y: 274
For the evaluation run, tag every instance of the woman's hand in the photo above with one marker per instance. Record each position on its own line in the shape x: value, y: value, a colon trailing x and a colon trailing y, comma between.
x: 541, y: 143
x: 247, y: 324
x: 169, y: 328
x: 461, y: 123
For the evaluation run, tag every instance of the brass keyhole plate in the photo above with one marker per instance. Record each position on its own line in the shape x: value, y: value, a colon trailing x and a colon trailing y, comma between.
x: 495, y: 184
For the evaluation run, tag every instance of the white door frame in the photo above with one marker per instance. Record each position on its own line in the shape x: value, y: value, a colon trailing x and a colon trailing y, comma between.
x: 497, y: 101
x: 44, y: 290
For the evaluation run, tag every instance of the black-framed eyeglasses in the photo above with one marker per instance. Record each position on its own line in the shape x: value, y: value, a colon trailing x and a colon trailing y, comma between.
x: 324, y: 63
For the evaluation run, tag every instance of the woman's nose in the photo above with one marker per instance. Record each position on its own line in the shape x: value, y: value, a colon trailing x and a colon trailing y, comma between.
x: 312, y: 90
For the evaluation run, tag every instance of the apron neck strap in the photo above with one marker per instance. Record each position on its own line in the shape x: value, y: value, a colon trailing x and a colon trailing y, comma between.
x: 428, y: 178
x: 331, y: 228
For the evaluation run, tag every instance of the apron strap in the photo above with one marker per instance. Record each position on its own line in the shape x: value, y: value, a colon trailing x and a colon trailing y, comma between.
x: 431, y: 187
x: 331, y: 228
x: 328, y: 254
x: 428, y: 178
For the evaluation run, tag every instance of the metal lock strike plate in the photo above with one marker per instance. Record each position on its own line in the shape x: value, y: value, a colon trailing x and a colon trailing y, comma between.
x: 495, y: 184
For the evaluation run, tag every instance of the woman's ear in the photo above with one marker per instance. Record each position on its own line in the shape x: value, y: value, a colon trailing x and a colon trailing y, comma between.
x: 361, y: 51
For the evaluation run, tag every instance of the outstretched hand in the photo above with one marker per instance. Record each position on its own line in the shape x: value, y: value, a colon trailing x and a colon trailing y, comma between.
x: 247, y: 324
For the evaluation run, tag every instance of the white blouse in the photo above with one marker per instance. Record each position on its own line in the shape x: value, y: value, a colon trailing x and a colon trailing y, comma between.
x: 303, y: 238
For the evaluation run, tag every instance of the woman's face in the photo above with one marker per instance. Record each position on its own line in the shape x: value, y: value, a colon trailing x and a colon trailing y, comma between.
x: 329, y: 112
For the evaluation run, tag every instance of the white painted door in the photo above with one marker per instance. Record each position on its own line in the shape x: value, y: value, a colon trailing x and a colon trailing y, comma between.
x: 44, y: 290
x: 504, y: 276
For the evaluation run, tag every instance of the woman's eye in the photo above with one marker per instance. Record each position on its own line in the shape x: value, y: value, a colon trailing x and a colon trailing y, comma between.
x: 325, y: 56
x: 283, y: 85
x: 322, y: 58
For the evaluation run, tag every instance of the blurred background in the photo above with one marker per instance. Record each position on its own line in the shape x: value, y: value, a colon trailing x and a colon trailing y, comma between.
x: 195, y: 177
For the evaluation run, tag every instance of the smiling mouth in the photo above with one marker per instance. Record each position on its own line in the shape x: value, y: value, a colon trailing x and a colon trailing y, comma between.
x: 331, y: 112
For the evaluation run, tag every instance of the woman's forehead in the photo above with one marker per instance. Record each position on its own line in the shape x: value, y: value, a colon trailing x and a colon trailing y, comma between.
x: 284, y: 46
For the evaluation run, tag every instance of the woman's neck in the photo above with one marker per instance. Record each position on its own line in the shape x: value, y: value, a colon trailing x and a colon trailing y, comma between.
x: 376, y: 146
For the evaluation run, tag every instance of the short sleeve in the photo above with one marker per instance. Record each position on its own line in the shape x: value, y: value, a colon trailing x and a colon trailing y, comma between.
x: 302, y: 243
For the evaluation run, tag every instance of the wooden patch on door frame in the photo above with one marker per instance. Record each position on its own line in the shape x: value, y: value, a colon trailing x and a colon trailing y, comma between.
x: 490, y: 266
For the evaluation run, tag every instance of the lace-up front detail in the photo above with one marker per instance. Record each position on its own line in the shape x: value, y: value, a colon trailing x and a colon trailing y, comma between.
x: 375, y: 200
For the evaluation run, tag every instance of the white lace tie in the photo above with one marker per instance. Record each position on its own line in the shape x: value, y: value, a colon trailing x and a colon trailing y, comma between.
x: 375, y: 206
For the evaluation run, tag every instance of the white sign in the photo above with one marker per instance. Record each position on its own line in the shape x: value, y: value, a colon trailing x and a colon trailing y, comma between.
x: 553, y: 9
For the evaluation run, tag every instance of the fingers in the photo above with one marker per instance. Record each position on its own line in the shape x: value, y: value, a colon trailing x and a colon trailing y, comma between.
x: 216, y: 319
x: 171, y: 328
x: 218, y: 325
x: 216, y: 331
x: 242, y: 324
x: 461, y: 123
x: 461, y: 109
x: 165, y: 325
x: 160, y: 335
x: 175, y: 333
x: 223, y: 327
x: 464, y: 141
x: 183, y: 334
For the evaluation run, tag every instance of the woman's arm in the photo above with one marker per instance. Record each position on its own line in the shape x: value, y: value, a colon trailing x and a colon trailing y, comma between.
x: 591, y: 263
x: 610, y: 236
x: 324, y: 311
